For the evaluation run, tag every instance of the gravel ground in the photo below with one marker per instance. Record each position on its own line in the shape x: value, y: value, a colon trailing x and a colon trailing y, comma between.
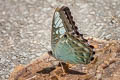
x: 25, y: 26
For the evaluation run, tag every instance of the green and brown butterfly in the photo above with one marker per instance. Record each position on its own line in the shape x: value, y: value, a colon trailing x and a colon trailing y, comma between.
x: 68, y: 45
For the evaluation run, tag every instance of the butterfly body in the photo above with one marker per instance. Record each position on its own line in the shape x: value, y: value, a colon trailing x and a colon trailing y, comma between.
x: 68, y: 45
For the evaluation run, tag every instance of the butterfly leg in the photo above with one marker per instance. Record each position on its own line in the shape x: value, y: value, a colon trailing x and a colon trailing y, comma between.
x: 65, y: 67
x: 61, y: 69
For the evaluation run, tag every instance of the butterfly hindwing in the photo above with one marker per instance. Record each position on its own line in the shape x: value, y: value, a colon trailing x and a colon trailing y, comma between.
x: 71, y: 50
x: 61, y: 24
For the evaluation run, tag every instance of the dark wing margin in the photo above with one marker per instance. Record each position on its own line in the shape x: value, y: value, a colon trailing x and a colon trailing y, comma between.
x: 69, y: 22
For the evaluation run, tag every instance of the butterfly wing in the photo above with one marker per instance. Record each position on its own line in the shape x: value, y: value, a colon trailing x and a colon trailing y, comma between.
x: 71, y: 50
x: 66, y: 46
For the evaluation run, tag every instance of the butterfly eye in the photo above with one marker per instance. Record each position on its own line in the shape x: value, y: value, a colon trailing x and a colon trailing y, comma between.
x: 50, y: 52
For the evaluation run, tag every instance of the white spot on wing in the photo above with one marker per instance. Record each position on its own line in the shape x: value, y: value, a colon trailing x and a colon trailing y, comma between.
x: 58, y: 23
x: 56, y: 18
x: 57, y: 31
x: 62, y: 30
x: 57, y: 14
x: 61, y: 25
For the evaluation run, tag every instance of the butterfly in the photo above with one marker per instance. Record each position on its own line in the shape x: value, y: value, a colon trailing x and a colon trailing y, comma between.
x: 68, y: 45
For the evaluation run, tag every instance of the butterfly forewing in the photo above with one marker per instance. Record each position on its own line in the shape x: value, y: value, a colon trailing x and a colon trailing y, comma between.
x: 60, y: 24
